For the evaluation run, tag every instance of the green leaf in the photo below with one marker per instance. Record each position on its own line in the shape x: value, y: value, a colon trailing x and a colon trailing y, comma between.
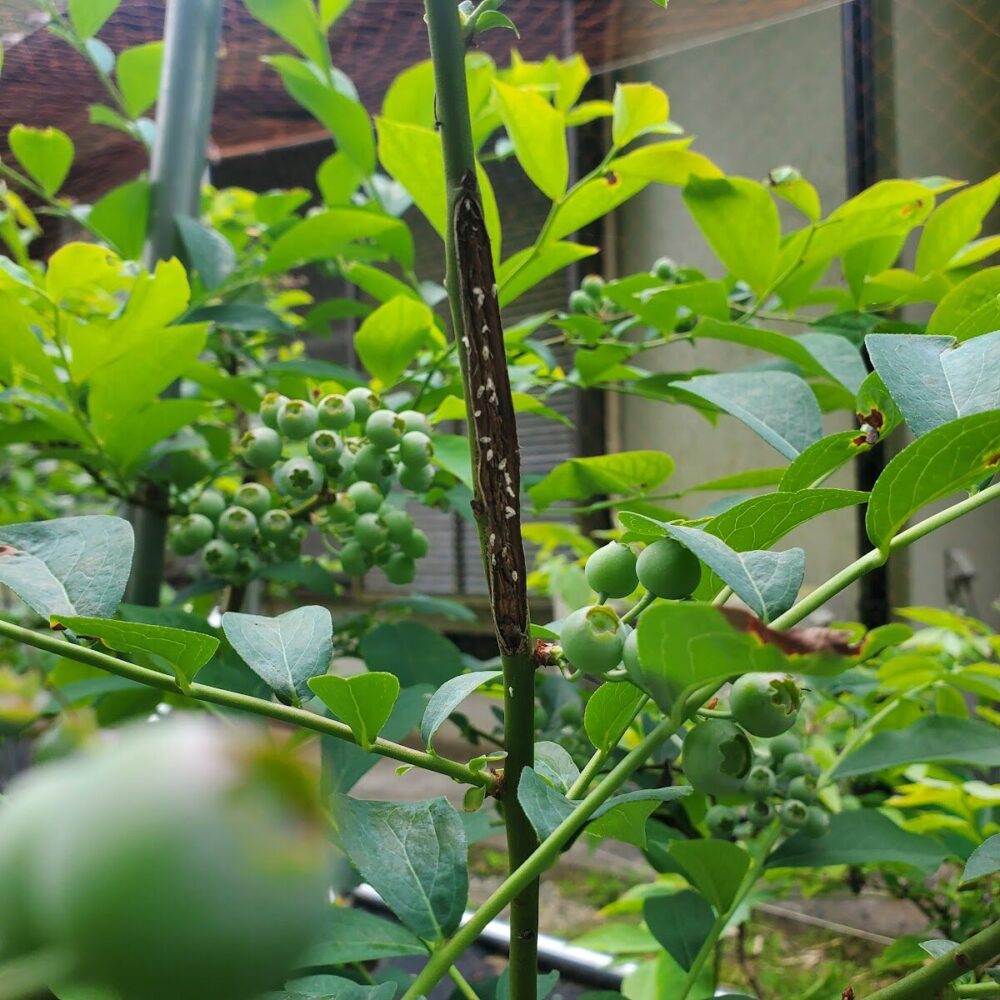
x: 715, y: 868
x: 860, y: 837
x: 944, y: 738
x: 295, y: 21
x: 983, y: 861
x: 618, y: 939
x: 250, y: 317
x: 184, y: 652
x: 768, y: 582
x: 448, y: 697
x: 822, y: 459
x: 284, y: 651
x: 937, y: 379
x: 954, y: 223
x: 89, y: 16
x: 21, y: 352
x: 451, y: 453
x: 330, y: 10
x: 538, y: 133
x: 555, y: 765
x: 664, y: 163
x: 324, y: 986
x: 389, y: 339
x: 787, y: 183
x: 778, y: 406
x: 739, y: 220
x: 333, y: 107
x: 351, y: 935
x: 628, y: 473
x: 413, y: 855
x: 951, y: 457
x: 494, y: 19
x: 338, y: 179
x: 638, y: 108
x: 208, y: 252
x: 609, y: 710
x: 45, y: 153
x: 528, y: 267
x: 328, y: 234
x: 364, y: 701
x: 681, y: 923
x: 624, y: 821
x: 413, y: 652
x: 128, y: 441
x: 971, y: 308
x: 121, y: 217
x: 68, y: 566
x: 138, y: 73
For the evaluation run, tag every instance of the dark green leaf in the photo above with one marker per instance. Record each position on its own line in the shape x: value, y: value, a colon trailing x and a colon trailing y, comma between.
x: 351, y: 935
x: 448, y: 697
x: 628, y: 473
x: 822, y: 459
x: 121, y: 216
x: 609, y: 710
x: 984, y: 861
x: 681, y: 923
x: 209, y: 253
x: 413, y: 652
x: 715, y: 868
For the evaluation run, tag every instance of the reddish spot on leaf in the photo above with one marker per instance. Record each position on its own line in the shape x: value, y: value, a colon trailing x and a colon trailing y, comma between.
x: 8, y: 550
x: 57, y: 627
x: 873, y: 418
x: 993, y: 459
x: 712, y: 703
x: 795, y: 640
x: 848, y: 994
x: 611, y: 178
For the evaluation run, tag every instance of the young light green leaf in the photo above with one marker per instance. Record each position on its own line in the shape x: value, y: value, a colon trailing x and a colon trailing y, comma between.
x: 352, y: 935
x: 284, y: 651
x: 944, y: 738
x: 389, y: 339
x: 329, y: 11
x: 138, y: 73
x: 739, y: 219
x: 414, y: 652
x: 680, y: 922
x: 971, y: 308
x: 778, y: 406
x: 638, y: 108
x: 952, y: 457
x: 608, y: 712
x: 297, y: 22
x: 45, y: 153
x: 983, y: 862
x: 89, y: 16
x: 413, y: 854
x: 787, y: 183
x: 184, y: 652
x: 525, y: 269
x: 669, y: 162
x: 714, y: 867
x: 858, y: 837
x: 538, y: 133
x: 208, y: 252
x: 954, y: 223
x: 364, y: 701
x: 627, y: 473
x: 68, y: 566
x: 448, y: 697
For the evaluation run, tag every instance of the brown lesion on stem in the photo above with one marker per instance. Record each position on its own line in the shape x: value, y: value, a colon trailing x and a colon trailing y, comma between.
x: 496, y: 457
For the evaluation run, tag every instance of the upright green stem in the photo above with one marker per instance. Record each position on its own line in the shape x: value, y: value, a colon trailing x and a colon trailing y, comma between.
x: 472, y: 294
x: 590, y: 770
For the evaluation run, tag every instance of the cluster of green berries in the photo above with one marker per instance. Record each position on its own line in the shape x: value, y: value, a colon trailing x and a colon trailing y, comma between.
x: 346, y: 450
x: 594, y: 640
x: 589, y: 298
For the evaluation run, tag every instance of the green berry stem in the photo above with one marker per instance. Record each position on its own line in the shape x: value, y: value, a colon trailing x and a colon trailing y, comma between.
x: 50, y: 642
x: 715, y: 713
x: 29, y: 975
x: 637, y: 609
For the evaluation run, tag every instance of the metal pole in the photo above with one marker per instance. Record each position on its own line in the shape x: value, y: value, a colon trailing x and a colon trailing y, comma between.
x: 183, y: 118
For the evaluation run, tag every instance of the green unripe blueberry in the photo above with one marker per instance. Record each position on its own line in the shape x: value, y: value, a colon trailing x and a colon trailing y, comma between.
x: 366, y: 496
x: 817, y: 822
x: 191, y: 533
x: 247, y: 564
x: 717, y: 757
x: 255, y: 497
x: 760, y: 813
x: 413, y: 420
x: 299, y: 477
x: 341, y: 468
x: 611, y: 570
x: 398, y: 523
x: 781, y: 746
x: 364, y: 401
x: 760, y: 782
x: 260, y: 448
x: 415, y: 480
x: 211, y: 504
x: 794, y: 814
x: 325, y: 447
x: 416, y: 546
x: 667, y: 569
x: 722, y: 821
x: 630, y: 657
x: 803, y: 788
x: 372, y: 464
x: 765, y: 704
x: 593, y: 285
x: 276, y: 525
x: 384, y: 428
x: 270, y: 406
x: 237, y: 525
x: 570, y: 714
x: 400, y: 569
x: 581, y: 303
x: 592, y: 639
x: 335, y: 412
x: 664, y: 268
x: 796, y: 764
x: 354, y: 560
x: 415, y: 449
x: 219, y: 557
x: 297, y: 419
x: 370, y: 531
x: 343, y: 510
